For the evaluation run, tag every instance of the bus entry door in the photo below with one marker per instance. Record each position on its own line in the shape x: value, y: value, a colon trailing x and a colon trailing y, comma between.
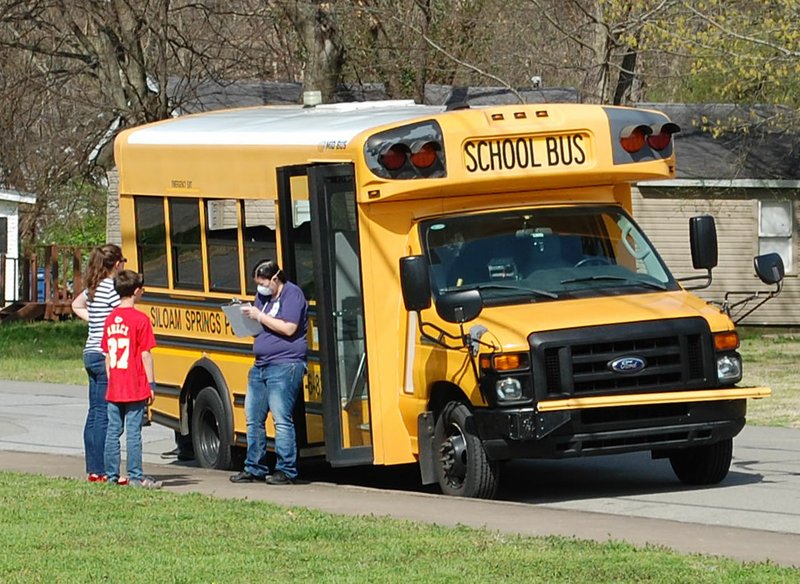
x: 343, y: 351
x: 338, y: 323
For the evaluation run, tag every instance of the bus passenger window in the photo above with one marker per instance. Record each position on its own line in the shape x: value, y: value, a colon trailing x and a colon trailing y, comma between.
x: 151, y: 239
x: 222, y: 245
x: 187, y: 259
x: 259, y: 236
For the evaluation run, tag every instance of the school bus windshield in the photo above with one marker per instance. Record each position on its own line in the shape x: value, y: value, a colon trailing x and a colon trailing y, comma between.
x: 543, y: 254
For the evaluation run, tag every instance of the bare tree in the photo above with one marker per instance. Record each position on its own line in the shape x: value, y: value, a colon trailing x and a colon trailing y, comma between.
x: 81, y: 70
x: 74, y: 72
x: 318, y: 30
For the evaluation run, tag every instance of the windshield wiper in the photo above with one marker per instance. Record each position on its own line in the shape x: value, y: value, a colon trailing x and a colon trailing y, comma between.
x: 656, y: 285
x: 532, y: 291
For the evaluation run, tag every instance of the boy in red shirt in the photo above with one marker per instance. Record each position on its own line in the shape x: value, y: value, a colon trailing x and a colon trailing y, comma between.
x: 127, y: 340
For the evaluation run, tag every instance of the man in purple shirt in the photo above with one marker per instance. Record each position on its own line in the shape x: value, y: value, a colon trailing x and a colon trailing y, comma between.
x: 275, y: 379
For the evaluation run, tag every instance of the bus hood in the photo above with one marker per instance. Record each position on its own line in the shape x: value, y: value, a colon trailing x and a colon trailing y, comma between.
x: 511, y: 325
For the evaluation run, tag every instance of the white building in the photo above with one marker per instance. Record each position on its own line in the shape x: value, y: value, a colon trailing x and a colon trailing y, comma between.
x: 9, y: 241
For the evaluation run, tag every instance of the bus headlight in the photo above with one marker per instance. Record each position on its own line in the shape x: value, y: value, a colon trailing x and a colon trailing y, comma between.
x: 729, y: 368
x: 508, y: 389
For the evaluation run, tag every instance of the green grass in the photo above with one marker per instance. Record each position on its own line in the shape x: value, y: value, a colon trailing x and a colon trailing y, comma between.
x: 770, y: 358
x: 63, y: 530
x: 43, y: 351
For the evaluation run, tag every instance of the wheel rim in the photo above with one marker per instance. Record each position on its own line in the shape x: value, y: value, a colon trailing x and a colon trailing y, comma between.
x: 209, y: 443
x: 454, y: 456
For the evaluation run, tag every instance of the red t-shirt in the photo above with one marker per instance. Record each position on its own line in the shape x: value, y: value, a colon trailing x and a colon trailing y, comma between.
x: 126, y: 335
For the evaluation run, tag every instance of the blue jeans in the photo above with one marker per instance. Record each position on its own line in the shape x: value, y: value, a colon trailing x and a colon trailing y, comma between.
x: 272, y: 388
x: 129, y: 414
x: 94, y: 431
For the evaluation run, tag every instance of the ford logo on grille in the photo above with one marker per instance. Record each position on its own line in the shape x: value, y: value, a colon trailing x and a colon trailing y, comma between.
x: 627, y: 365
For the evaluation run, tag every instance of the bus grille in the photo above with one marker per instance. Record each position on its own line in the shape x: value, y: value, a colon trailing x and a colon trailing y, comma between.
x: 677, y: 354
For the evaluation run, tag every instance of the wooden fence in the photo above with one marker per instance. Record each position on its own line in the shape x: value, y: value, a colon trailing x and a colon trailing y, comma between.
x: 41, y: 283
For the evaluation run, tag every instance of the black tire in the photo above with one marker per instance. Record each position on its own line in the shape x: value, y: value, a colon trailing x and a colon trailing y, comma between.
x: 211, y: 433
x: 460, y: 462
x: 703, y: 465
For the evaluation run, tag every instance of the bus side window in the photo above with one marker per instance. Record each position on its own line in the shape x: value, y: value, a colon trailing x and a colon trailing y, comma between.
x: 222, y: 245
x: 187, y: 258
x: 259, y: 236
x: 151, y: 239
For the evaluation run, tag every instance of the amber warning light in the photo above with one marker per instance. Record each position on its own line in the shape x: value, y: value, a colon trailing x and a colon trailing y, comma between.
x: 726, y: 341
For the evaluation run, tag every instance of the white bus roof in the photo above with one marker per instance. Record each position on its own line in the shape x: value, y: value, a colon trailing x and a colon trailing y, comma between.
x: 279, y: 125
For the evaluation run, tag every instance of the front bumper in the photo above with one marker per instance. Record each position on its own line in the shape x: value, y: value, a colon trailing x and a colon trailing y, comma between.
x: 574, y: 428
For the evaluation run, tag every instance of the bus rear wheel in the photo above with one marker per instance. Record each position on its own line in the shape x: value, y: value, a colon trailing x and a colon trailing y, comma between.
x: 210, y: 431
x: 703, y: 465
x: 461, y: 465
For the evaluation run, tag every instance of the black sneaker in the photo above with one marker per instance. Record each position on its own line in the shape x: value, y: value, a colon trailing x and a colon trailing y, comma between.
x: 279, y: 478
x: 245, y: 477
x: 171, y: 453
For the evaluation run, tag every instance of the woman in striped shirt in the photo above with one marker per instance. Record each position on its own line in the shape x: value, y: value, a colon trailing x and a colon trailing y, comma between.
x: 93, y: 305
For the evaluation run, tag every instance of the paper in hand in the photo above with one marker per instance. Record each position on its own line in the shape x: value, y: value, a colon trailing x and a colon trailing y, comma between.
x: 243, y: 326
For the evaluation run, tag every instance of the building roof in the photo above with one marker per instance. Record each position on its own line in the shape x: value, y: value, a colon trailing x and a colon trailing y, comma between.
x: 14, y: 196
x: 733, y: 143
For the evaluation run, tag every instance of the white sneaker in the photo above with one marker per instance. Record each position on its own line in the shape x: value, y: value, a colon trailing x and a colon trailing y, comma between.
x: 147, y: 483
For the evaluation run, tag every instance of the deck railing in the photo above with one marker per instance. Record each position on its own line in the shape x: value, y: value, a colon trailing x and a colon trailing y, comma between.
x: 43, y: 282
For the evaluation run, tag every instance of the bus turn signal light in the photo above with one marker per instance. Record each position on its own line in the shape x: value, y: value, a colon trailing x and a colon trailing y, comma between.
x: 726, y: 341
x: 504, y: 361
x: 507, y: 362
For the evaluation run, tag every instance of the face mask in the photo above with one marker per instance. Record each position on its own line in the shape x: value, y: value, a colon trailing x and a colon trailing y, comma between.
x: 264, y: 290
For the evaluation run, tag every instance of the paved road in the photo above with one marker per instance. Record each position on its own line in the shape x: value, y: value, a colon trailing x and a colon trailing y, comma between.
x: 753, y: 515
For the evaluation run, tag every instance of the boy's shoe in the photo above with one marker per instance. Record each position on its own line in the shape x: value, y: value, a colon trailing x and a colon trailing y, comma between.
x: 280, y: 478
x: 245, y: 477
x: 97, y: 478
x: 121, y: 481
x: 147, y: 483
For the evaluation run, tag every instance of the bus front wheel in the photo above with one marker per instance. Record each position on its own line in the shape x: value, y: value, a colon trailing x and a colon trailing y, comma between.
x: 703, y: 465
x: 460, y: 464
x: 210, y: 431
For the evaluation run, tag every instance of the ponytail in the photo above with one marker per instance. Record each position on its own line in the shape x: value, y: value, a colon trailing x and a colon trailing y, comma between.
x: 101, y: 265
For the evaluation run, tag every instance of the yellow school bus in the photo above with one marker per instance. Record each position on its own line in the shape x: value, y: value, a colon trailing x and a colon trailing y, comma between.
x: 478, y: 288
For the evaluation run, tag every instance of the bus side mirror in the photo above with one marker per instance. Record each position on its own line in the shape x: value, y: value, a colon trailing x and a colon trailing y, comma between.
x: 703, y: 241
x: 415, y: 282
x: 769, y: 267
x: 460, y: 307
